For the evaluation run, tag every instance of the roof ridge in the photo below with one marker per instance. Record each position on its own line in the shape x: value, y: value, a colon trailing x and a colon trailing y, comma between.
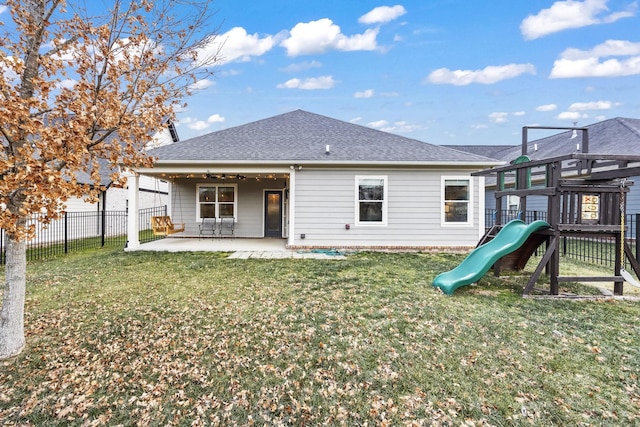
x: 624, y: 123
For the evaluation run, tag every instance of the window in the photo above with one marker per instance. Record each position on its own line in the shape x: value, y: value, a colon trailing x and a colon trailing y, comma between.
x: 456, y: 200
x: 216, y: 201
x: 513, y: 203
x: 371, y: 193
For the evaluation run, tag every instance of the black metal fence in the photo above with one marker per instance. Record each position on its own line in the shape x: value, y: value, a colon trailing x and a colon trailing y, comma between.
x: 76, y: 231
x: 593, y: 250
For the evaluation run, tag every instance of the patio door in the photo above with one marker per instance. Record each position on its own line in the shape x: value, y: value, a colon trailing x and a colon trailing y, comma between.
x: 272, y: 213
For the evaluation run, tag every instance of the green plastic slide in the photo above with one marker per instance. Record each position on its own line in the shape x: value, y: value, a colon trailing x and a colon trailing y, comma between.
x: 479, y: 261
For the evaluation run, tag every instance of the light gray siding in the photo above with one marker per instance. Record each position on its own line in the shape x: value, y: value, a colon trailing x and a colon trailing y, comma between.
x: 633, y: 196
x: 325, y: 202
x: 539, y: 203
x: 250, y: 201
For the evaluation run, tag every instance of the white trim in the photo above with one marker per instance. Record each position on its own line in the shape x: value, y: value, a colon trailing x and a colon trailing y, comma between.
x: 216, y: 203
x: 385, y: 201
x: 164, y: 169
x: 292, y: 207
x: 133, y: 226
x: 282, y: 163
x: 470, y: 204
x: 481, y: 207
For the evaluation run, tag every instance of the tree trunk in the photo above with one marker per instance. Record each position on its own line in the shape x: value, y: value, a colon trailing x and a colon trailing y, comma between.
x: 12, y: 338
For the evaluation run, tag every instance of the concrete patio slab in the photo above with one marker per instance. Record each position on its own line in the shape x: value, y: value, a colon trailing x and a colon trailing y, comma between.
x: 241, y: 248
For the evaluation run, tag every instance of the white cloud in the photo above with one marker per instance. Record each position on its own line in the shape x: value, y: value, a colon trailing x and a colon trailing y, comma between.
x: 606, y: 49
x: 479, y: 126
x: 563, y: 15
x: 237, y: 45
x: 594, y: 105
x: 228, y: 73
x: 3, y: 9
x: 519, y: 113
x: 364, y: 94
x: 599, y: 61
x: 499, y: 117
x: 201, y: 84
x: 378, y: 124
x: 323, y: 35
x: 198, y: 125
x: 323, y: 82
x: 400, y: 127
x: 571, y: 115
x: 215, y: 118
x: 382, y: 14
x: 546, y: 107
x: 67, y: 83
x: 8, y: 65
x: 301, y: 66
x: 355, y: 119
x: 488, y: 75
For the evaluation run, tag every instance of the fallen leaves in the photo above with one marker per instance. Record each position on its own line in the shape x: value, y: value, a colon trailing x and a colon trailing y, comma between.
x: 325, y: 349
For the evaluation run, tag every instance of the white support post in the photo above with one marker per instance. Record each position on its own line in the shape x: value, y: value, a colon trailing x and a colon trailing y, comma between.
x: 133, y: 226
x: 292, y: 207
x: 481, y: 207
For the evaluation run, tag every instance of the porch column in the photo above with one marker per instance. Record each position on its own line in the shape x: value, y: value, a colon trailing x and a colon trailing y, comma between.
x: 292, y: 207
x: 133, y: 237
x: 481, y: 207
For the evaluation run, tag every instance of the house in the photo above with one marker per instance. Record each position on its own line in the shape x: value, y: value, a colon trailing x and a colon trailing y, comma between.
x: 321, y: 183
x: 152, y: 192
x: 612, y: 137
x: 87, y: 220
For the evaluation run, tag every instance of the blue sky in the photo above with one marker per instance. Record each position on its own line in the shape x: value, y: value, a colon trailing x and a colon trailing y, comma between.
x: 441, y: 71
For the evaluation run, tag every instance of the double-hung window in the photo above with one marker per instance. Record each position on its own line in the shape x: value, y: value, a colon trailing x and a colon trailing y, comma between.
x: 371, y: 200
x: 216, y: 201
x: 456, y: 200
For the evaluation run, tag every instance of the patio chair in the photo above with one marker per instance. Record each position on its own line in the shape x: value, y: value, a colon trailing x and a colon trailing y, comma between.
x: 207, y: 227
x: 228, y: 224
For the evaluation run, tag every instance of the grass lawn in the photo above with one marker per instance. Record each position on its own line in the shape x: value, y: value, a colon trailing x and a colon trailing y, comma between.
x: 197, y: 339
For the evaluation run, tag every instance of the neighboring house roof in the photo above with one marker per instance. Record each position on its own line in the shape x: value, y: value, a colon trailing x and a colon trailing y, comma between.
x: 106, y: 169
x: 491, y: 151
x: 300, y: 136
x: 614, y: 136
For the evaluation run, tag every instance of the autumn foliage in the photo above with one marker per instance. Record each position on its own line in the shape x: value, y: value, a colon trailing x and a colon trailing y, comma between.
x: 82, y: 89
x: 81, y: 93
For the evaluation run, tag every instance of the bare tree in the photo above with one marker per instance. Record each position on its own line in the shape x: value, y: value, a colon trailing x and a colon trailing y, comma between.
x: 77, y: 86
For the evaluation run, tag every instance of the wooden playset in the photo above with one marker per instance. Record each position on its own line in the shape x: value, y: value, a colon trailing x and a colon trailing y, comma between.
x: 585, y: 197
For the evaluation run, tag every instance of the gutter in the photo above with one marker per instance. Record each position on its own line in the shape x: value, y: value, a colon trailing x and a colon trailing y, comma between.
x: 309, y: 163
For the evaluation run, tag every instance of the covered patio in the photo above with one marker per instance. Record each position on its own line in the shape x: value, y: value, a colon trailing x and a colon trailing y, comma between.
x: 251, y: 203
x: 240, y: 248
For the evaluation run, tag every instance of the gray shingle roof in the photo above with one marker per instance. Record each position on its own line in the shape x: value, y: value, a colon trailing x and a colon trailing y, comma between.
x: 491, y: 151
x: 300, y: 136
x: 613, y: 136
